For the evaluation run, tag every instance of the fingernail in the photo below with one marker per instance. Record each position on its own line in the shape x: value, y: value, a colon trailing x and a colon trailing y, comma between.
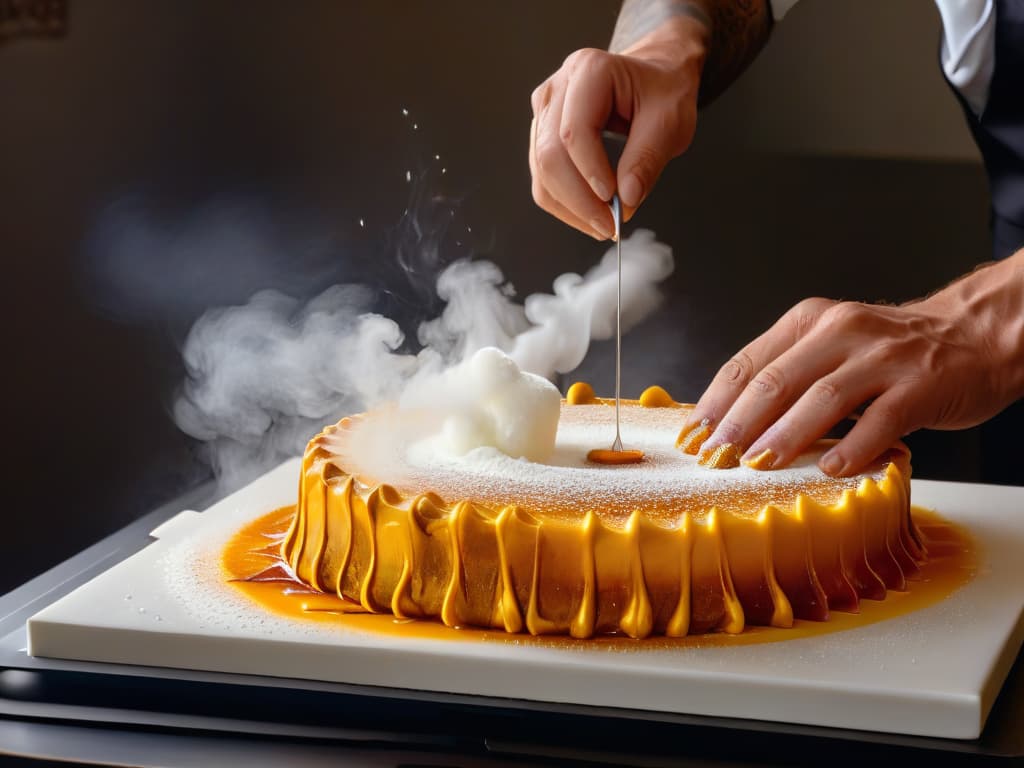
x: 724, y: 456
x: 692, y: 437
x: 631, y: 191
x: 601, y: 228
x: 762, y: 461
x: 831, y: 463
x: 600, y: 189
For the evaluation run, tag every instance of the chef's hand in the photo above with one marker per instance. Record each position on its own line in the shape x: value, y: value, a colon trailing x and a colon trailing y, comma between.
x: 649, y: 89
x: 949, y: 361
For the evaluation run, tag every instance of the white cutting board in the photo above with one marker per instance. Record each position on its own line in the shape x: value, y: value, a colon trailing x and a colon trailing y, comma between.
x: 934, y: 672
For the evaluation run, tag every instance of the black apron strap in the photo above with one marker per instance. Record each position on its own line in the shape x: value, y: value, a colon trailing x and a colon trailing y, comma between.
x: 999, y: 131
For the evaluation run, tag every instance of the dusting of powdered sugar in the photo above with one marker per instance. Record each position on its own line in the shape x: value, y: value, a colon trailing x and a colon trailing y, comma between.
x: 195, y: 577
x: 664, y: 483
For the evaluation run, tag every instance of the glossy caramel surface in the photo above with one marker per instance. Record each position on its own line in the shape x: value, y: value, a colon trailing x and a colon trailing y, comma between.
x: 252, y: 563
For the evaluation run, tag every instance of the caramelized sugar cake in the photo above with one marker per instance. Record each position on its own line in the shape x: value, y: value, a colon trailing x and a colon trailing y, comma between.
x: 565, y: 546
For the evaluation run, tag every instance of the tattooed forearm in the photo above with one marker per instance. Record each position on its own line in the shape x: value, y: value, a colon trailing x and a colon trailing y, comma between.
x: 738, y: 29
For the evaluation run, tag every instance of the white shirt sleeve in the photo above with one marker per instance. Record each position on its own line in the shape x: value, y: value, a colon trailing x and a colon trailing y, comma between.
x: 968, y: 47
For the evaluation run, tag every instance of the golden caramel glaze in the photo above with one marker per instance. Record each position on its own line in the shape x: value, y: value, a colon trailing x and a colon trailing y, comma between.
x: 690, y: 440
x: 725, y: 456
x: 611, y: 456
x: 500, y: 565
x: 656, y: 397
x: 251, y: 562
x: 580, y: 393
x: 763, y: 461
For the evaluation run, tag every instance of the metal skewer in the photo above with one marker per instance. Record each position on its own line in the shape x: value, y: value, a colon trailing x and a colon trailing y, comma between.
x: 616, y: 207
x: 614, y: 143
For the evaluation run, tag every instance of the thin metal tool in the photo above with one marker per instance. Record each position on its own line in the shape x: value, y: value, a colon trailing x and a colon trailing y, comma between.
x: 613, y: 144
x: 616, y: 207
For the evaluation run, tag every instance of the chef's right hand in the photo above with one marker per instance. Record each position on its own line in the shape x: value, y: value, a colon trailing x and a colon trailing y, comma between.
x: 648, y: 91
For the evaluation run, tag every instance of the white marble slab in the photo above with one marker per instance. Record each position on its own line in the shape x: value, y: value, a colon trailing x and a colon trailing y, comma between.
x: 934, y: 672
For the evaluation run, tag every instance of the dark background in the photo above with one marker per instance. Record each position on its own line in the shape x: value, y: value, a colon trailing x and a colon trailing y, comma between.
x: 162, y: 158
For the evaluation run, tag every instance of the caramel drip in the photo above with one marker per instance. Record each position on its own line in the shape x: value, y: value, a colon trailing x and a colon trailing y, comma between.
x: 586, y: 615
x: 678, y: 624
x: 252, y: 564
x: 367, y: 521
x: 402, y: 606
x: 344, y: 537
x: 511, y: 615
x: 637, y: 619
x: 320, y: 536
x: 449, y: 609
x: 719, y: 607
x: 471, y: 564
x: 536, y: 624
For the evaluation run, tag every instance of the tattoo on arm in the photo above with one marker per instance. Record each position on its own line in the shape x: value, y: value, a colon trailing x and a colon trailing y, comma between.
x: 738, y: 29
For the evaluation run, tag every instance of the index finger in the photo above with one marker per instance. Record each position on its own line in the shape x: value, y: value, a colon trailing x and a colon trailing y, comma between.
x: 585, y: 114
x: 545, y: 200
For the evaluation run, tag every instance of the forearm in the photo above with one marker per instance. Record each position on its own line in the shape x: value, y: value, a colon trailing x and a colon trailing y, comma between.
x: 988, y: 306
x: 732, y: 32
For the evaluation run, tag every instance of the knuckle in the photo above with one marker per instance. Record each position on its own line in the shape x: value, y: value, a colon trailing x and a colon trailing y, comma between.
x: 769, y: 382
x: 826, y: 392
x: 805, y: 315
x: 738, y: 370
x: 885, y: 352
x: 574, y: 59
x: 594, y: 63
x: 567, y: 133
x: 584, y: 57
x: 546, y: 153
x: 541, y: 196
x: 539, y: 97
x: 647, y: 161
x: 845, y: 314
x: 889, y: 416
x: 816, y: 304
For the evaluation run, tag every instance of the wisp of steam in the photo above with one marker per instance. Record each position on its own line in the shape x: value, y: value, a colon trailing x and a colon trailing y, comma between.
x: 265, y: 376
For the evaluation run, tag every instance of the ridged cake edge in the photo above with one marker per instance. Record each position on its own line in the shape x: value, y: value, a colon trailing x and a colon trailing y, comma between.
x: 468, y: 563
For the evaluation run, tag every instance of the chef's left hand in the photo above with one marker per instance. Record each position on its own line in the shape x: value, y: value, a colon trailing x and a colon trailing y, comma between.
x: 949, y: 361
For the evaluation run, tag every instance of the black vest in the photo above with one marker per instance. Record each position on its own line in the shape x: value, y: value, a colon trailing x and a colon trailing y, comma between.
x: 999, y: 132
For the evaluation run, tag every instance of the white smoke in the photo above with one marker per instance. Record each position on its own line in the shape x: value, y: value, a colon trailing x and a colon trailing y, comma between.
x: 583, y: 308
x: 265, y: 376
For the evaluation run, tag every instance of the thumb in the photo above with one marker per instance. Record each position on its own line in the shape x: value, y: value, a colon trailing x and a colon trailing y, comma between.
x: 652, y: 142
